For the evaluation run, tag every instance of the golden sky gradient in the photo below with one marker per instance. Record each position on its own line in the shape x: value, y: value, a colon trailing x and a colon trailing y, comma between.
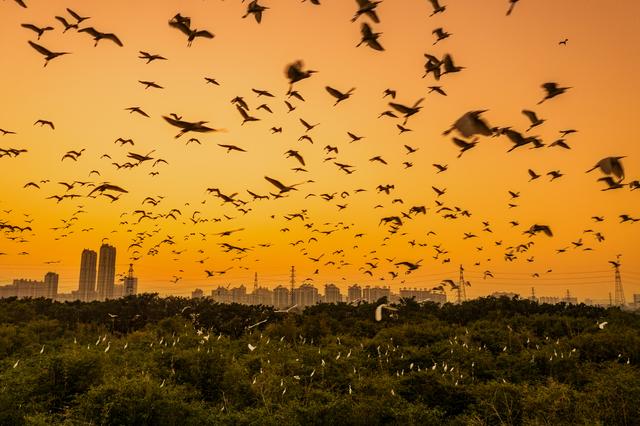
x: 506, y: 59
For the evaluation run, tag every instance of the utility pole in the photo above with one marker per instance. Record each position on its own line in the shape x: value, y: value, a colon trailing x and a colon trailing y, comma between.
x: 619, y: 299
x: 462, y: 294
x: 293, y: 282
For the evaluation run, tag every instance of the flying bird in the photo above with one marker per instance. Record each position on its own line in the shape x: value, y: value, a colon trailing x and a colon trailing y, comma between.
x: 48, y: 55
x: 97, y: 36
x: 186, y: 126
x: 183, y: 24
x: 38, y: 30
x: 340, y: 96
x: 610, y: 166
x: 150, y: 57
x: 369, y: 37
x: 256, y: 10
x: 552, y: 90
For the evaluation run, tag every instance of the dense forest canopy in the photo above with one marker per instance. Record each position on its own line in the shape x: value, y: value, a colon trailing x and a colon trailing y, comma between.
x: 146, y: 360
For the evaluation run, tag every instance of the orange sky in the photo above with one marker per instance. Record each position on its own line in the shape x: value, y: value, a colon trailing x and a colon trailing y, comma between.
x: 506, y: 60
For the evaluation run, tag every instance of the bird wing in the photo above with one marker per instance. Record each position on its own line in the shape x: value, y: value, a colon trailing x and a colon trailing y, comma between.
x: 40, y: 49
x: 243, y: 112
x: 530, y: 115
x: 30, y: 27
x: 399, y: 107
x: 203, y: 33
x: 177, y: 123
x: 74, y: 14
x: 91, y: 31
x: 114, y: 38
x: 333, y: 92
x: 276, y: 183
x: 180, y: 25
x: 375, y: 45
x: 460, y: 142
x: 366, y: 31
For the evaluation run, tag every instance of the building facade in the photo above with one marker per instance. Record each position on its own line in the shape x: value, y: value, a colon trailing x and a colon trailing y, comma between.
x: 106, y: 272
x: 87, y: 281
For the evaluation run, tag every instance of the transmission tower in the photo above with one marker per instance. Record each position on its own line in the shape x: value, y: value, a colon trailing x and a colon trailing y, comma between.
x: 255, y: 282
x: 462, y: 294
x: 293, y: 283
x: 619, y: 299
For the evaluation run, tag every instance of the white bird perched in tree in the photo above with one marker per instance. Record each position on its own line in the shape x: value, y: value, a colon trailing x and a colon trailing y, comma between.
x: 251, y: 347
x: 378, y: 314
x: 602, y: 325
x: 16, y: 364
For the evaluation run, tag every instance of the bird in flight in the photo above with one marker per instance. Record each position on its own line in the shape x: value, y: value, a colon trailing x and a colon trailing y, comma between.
x: 186, y: 126
x: 150, y: 57
x: 97, y: 36
x: 256, y: 10
x: 77, y: 16
x: 282, y: 187
x: 137, y: 110
x: 148, y: 84
x: 66, y: 24
x: 43, y: 123
x: 48, y: 54
x: 38, y: 30
x: 369, y: 37
x: 610, y: 166
x: 368, y: 8
x: 295, y: 73
x: 552, y: 90
x: 436, y: 7
x: 340, y: 96
x: 230, y: 148
x: 183, y: 24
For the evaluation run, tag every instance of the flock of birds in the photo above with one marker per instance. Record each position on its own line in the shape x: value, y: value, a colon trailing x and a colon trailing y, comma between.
x: 305, y: 226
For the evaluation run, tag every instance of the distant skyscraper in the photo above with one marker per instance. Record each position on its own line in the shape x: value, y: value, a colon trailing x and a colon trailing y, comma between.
x: 87, y: 282
x: 51, y: 282
x: 354, y: 293
x: 281, y: 297
x: 332, y: 294
x: 106, y: 272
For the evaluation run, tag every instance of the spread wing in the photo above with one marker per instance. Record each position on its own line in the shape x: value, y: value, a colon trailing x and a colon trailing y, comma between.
x: 40, y: 49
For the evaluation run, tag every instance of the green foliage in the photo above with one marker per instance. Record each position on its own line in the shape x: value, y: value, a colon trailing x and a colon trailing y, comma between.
x: 146, y: 360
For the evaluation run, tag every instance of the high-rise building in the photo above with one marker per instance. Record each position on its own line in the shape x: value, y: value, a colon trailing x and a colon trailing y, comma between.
x: 281, y: 297
x: 106, y: 272
x: 306, y: 295
x: 130, y: 283
x: 354, y: 293
x: 373, y: 294
x: 51, y: 282
x: 197, y: 294
x: 87, y: 281
x: 332, y: 294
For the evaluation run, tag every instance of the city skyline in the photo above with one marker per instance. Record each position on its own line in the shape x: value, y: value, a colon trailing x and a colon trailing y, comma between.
x: 86, y: 289
x: 310, y: 172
